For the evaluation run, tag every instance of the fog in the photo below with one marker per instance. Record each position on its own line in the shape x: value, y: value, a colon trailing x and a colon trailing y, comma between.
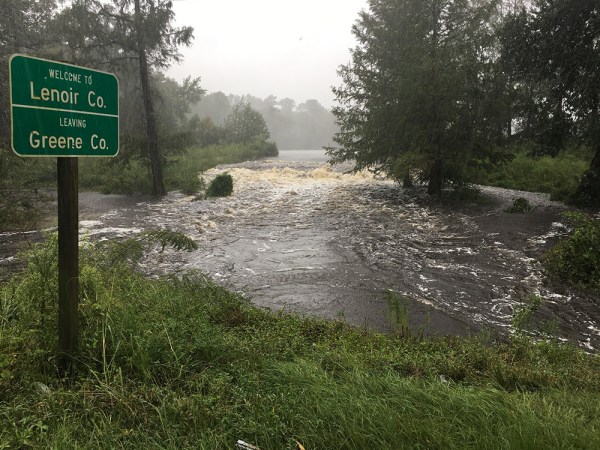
x: 268, y: 47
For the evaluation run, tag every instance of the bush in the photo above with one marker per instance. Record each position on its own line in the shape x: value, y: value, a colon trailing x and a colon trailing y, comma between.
x: 558, y: 176
x: 466, y: 193
x: 520, y: 205
x: 576, y: 259
x: 113, y: 176
x: 265, y: 148
x: 185, y: 177
x: 523, y: 313
x: 221, y: 186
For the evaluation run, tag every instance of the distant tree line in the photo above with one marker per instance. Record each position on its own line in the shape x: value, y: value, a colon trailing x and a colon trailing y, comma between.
x: 235, y: 124
x: 437, y: 87
x: 291, y: 126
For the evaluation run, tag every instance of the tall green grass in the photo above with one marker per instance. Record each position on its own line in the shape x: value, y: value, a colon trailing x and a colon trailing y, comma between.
x: 558, y: 176
x: 183, y: 363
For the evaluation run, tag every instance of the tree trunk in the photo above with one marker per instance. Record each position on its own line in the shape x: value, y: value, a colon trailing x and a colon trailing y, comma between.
x: 434, y: 187
x: 158, y: 185
x: 588, y: 192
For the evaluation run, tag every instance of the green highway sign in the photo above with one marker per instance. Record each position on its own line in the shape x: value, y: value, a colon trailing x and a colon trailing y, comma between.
x: 61, y: 110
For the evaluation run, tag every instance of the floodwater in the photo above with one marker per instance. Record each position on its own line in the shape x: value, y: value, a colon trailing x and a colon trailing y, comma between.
x: 304, y: 237
x: 303, y: 155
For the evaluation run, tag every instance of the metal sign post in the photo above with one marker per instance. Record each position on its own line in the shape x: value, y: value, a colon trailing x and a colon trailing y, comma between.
x: 63, y: 111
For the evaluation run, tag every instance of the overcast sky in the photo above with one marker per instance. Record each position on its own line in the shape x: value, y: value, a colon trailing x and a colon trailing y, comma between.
x: 286, y: 48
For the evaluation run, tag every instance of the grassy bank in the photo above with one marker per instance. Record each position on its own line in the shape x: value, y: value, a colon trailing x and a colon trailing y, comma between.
x: 181, y: 172
x: 186, y: 364
x: 558, y: 176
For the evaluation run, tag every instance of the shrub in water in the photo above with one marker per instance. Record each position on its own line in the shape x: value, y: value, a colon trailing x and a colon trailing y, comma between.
x: 221, y: 186
x: 520, y: 205
x: 576, y: 259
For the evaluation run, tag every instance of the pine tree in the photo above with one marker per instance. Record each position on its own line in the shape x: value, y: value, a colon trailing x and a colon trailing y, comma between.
x: 417, y: 92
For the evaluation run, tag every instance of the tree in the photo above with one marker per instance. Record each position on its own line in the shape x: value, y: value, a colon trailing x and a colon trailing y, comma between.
x: 245, y: 125
x: 314, y: 126
x: 305, y: 126
x: 552, y: 51
x: 24, y: 28
x: 287, y: 105
x: 205, y: 132
x: 215, y: 106
x: 115, y: 32
x: 174, y: 101
x: 417, y: 91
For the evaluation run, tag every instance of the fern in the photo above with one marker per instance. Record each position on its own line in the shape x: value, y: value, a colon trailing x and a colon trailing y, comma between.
x: 122, y: 251
x: 175, y: 239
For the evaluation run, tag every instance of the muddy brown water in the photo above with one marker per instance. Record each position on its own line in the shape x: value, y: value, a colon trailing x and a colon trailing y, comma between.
x: 306, y: 238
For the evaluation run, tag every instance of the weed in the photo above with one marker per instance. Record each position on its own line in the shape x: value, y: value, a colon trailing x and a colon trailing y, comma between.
x: 398, y: 317
x: 523, y: 314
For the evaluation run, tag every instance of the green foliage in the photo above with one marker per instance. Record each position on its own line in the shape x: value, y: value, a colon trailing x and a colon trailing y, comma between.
x: 182, y: 172
x: 523, y: 313
x: 20, y: 183
x: 245, y: 125
x: 422, y: 91
x: 550, y: 54
x: 558, y: 176
x: 588, y: 191
x: 464, y: 194
x: 184, y: 176
x: 399, y: 318
x: 576, y: 259
x: 265, y: 148
x: 17, y: 208
x: 520, y: 205
x: 174, y: 101
x: 205, y: 132
x: 220, y: 186
x: 114, y: 177
x: 20, y: 180
x: 183, y: 363
x: 175, y: 239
